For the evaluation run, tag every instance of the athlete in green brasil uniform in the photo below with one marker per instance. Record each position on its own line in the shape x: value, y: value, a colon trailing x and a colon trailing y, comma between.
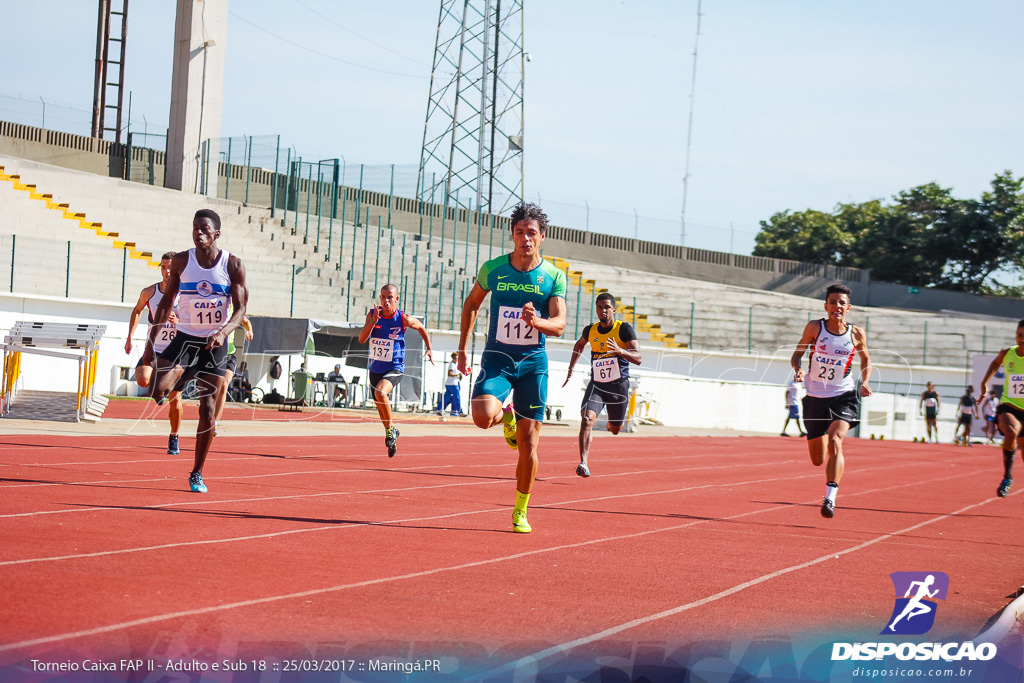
x: 1010, y: 413
x: 527, y: 304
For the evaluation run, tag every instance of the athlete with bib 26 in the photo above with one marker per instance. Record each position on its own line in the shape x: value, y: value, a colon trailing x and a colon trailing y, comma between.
x: 206, y: 281
x: 527, y: 305
x: 831, y: 406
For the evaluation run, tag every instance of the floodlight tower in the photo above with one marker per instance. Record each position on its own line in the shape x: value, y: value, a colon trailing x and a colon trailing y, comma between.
x: 473, y: 133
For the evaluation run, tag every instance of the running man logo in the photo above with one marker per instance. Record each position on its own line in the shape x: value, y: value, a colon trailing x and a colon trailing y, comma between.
x: 914, y: 612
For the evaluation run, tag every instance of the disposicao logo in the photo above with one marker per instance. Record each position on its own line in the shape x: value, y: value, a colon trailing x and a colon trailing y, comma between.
x: 917, y: 596
x: 914, y: 612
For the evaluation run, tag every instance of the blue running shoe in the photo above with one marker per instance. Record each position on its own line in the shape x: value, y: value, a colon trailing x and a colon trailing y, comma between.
x: 195, y: 482
x: 582, y: 470
x: 1004, y: 488
x: 172, y: 445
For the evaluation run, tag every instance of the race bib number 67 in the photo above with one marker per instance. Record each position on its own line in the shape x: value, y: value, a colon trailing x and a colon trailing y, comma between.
x: 513, y: 330
x: 606, y: 369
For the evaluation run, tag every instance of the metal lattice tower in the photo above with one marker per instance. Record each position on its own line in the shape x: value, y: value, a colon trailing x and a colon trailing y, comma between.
x: 473, y: 133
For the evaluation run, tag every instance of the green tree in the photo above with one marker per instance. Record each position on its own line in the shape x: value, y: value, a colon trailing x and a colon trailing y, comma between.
x: 924, y: 237
x: 810, y: 236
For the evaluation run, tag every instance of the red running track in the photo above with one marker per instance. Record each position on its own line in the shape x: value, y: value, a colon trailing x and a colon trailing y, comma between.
x: 315, y: 544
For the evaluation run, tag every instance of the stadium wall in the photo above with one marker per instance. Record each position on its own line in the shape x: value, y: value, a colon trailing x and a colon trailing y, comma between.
x: 409, y: 215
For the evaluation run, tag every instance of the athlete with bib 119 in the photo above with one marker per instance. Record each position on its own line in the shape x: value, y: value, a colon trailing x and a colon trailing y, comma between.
x: 527, y: 305
x: 1010, y: 413
x: 385, y: 330
x: 207, y: 281
x: 831, y: 406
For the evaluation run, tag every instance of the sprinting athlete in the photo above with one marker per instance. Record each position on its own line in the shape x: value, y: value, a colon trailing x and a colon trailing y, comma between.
x: 831, y: 406
x: 968, y: 409
x: 613, y: 346
x: 930, y: 407
x: 207, y: 280
x: 385, y: 330
x: 157, y: 339
x: 1010, y: 413
x: 527, y: 305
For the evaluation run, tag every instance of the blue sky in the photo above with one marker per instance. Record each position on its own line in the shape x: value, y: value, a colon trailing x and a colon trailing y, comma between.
x: 799, y: 104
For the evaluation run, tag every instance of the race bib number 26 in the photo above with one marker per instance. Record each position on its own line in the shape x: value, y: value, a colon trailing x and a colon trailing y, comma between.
x: 512, y: 329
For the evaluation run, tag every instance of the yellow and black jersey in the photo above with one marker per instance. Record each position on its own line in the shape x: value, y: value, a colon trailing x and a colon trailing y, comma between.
x: 606, y: 366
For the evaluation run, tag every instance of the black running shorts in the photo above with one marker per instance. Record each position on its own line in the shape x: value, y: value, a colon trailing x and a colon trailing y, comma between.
x: 1009, y: 410
x: 611, y: 395
x: 191, y: 353
x: 393, y: 376
x: 820, y: 413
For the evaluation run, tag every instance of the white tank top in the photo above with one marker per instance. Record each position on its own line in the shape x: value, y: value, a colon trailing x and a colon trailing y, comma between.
x: 167, y: 330
x: 831, y: 364
x: 204, y: 295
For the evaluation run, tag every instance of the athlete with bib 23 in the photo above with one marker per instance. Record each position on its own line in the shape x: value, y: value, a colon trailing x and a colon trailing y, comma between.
x: 831, y: 406
x: 527, y: 305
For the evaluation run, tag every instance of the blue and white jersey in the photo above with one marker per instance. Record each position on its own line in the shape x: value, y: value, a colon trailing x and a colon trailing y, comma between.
x: 831, y: 364
x: 204, y: 296
x: 387, y: 344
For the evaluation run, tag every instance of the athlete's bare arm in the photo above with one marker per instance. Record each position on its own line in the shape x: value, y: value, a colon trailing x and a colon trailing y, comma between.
x: 554, y: 324
x: 140, y: 305
x: 992, y: 367
x: 860, y: 343
x: 577, y: 349
x: 239, y: 300
x: 803, y: 346
x: 470, y: 309
x: 414, y: 324
x: 163, y: 311
x: 631, y: 353
x: 371, y: 319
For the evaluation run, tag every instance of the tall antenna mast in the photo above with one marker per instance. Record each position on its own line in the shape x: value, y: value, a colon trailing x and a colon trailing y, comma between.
x: 689, y: 131
x: 473, y: 132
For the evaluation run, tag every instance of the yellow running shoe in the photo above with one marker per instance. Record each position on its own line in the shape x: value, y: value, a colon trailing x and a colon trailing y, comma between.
x: 519, y: 523
x: 510, y: 432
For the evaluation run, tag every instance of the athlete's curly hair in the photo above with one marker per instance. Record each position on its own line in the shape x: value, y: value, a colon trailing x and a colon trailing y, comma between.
x: 211, y: 214
x: 837, y: 288
x: 530, y: 212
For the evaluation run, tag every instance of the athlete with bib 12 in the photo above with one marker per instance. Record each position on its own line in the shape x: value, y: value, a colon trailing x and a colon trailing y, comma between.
x: 527, y: 305
x: 831, y: 406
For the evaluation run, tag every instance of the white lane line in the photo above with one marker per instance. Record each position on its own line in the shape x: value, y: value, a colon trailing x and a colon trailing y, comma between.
x: 340, y: 493
x: 341, y: 526
x: 479, y: 563
x: 532, y: 659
